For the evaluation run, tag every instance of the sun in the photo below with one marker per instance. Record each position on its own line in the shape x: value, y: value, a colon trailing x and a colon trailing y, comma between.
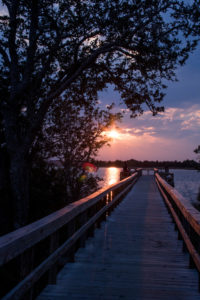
x: 113, y: 134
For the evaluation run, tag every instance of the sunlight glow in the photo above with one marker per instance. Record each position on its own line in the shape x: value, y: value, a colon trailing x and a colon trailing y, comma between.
x: 113, y: 134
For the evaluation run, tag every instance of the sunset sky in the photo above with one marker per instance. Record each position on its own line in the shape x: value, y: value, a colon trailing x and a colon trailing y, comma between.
x: 172, y: 135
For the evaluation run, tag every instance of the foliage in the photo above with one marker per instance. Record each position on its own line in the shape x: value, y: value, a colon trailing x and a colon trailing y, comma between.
x: 47, y: 191
x: 132, y: 163
x: 73, y: 135
x: 197, y: 150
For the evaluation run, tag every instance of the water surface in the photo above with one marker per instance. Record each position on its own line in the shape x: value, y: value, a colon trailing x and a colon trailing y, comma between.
x: 187, y: 182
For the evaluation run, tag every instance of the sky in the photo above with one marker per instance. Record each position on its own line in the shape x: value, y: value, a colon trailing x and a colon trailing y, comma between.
x: 172, y: 135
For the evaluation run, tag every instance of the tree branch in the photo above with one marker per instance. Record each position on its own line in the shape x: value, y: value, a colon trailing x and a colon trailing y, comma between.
x: 32, y: 40
x: 13, y: 8
x: 93, y: 34
x: 38, y: 117
x: 5, y: 56
x: 126, y: 52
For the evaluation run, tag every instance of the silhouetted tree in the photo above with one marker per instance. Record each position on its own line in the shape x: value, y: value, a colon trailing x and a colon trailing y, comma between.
x: 73, y: 134
x: 197, y: 150
x: 186, y: 164
x: 54, y: 48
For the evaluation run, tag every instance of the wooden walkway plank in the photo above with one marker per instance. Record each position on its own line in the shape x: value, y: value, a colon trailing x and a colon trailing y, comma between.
x: 134, y: 255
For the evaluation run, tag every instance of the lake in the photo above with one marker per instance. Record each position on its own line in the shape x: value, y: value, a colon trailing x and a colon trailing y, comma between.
x: 187, y: 182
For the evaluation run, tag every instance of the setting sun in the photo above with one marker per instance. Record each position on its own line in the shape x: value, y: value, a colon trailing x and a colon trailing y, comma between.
x: 113, y: 134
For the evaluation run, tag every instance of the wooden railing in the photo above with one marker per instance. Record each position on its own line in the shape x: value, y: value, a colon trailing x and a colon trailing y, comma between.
x: 31, y: 256
x: 186, y: 218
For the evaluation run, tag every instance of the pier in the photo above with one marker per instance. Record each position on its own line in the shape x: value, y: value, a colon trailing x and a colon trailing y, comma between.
x: 138, y: 239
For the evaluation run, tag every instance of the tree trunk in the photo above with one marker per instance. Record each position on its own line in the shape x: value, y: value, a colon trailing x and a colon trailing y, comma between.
x: 17, y: 145
x: 5, y: 203
x: 19, y: 178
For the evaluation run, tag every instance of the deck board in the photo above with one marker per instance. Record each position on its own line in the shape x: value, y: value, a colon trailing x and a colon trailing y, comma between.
x: 134, y: 255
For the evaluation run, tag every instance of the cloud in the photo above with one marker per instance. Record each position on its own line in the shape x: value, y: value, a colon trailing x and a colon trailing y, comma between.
x: 175, y: 122
x: 143, y: 130
x: 182, y: 120
x: 191, y: 121
x: 171, y: 135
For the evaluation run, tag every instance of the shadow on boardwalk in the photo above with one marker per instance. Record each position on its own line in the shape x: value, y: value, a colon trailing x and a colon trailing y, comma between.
x: 135, y: 255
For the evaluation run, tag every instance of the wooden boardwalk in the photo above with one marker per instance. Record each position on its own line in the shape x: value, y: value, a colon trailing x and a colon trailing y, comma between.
x: 135, y: 255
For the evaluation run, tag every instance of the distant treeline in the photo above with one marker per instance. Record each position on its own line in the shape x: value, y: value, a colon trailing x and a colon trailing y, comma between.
x: 132, y: 163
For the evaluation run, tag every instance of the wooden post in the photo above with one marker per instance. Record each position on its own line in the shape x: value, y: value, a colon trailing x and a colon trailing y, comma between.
x: 179, y: 236
x: 103, y: 218
x: 184, y: 248
x: 26, y: 265
x: 82, y: 220
x: 191, y: 262
x: 98, y: 222
x: 54, y: 243
x: 71, y: 230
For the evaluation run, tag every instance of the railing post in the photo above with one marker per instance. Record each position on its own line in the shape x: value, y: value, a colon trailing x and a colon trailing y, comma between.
x: 92, y: 211
x: 82, y: 221
x: 104, y: 204
x: 191, y: 262
x: 98, y: 222
x: 70, y: 232
x: 26, y: 261
x: 184, y: 247
x: 54, y: 243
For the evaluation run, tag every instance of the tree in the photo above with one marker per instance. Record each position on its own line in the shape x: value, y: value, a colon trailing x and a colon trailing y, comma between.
x: 53, y: 48
x: 73, y: 134
x: 197, y: 150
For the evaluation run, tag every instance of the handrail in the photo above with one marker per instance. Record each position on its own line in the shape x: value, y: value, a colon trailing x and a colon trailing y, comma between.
x: 186, y: 217
x: 23, y: 238
x: 78, y: 216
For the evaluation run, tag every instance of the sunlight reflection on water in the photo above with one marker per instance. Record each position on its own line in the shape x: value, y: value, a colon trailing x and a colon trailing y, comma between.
x: 109, y: 175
